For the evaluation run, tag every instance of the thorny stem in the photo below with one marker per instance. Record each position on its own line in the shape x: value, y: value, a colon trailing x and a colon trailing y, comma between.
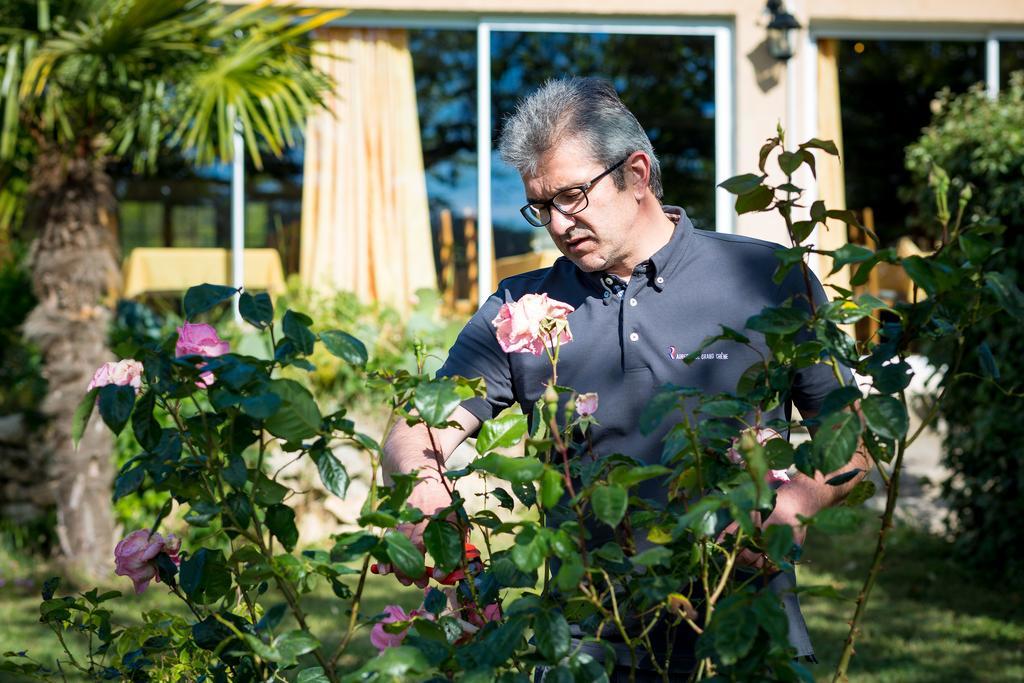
x: 890, y: 506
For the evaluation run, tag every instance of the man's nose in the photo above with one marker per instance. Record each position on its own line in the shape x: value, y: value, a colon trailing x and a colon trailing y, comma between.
x: 560, y: 223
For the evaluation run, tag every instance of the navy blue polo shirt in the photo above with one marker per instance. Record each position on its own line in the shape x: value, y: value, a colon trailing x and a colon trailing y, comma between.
x: 629, y: 338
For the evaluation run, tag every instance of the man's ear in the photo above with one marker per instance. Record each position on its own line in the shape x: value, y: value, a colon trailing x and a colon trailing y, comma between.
x: 638, y: 174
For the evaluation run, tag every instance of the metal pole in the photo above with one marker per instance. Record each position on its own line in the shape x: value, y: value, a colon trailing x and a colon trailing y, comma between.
x: 483, y: 151
x: 238, y: 218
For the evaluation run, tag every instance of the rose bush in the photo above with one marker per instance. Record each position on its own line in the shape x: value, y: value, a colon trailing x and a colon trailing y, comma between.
x: 507, y: 610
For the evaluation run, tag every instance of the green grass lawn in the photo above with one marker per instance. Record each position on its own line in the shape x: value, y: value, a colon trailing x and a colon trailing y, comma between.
x: 928, y: 620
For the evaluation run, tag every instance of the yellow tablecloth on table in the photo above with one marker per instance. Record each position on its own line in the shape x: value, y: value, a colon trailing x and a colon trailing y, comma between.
x: 149, y: 269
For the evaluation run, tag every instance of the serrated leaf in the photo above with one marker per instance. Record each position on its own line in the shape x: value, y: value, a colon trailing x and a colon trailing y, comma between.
x: 834, y: 443
x: 444, y: 544
x: 345, y: 347
x: 520, y: 469
x: 742, y: 184
x: 610, y: 503
x: 789, y: 162
x: 403, y: 554
x: 755, y: 200
x: 116, y: 403
x: 204, y: 576
x: 82, y: 414
x: 298, y: 417
x: 849, y: 253
x: 436, y: 401
x: 1006, y: 293
x: 860, y: 493
x: 332, y: 472
x: 825, y: 145
x: 551, y: 631
x: 501, y: 432
x: 551, y: 487
x: 256, y: 309
x: 297, y: 329
x: 129, y: 482
x: 202, y: 298
x: 784, y: 320
x: 886, y: 416
x: 280, y: 519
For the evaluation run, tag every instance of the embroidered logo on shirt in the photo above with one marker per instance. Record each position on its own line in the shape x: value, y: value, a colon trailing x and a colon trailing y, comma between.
x: 707, y: 355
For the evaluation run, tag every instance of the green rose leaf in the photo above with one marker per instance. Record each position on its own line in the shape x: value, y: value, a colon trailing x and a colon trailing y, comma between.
x: 332, y: 472
x: 403, y: 554
x: 444, y: 544
x: 778, y: 543
x: 609, y: 503
x: 835, y: 520
x: 757, y: 199
x: 116, y: 403
x: 502, y: 432
x: 82, y: 414
x: 834, y: 443
x: 551, y: 486
x: 256, y: 309
x: 393, y: 665
x: 886, y: 416
x: 518, y: 470
x: 205, y: 576
x: 1006, y: 293
x: 436, y: 400
x: 298, y: 417
x: 345, y: 346
x: 294, y: 643
x: 784, y: 320
x: 313, y: 674
x: 296, y: 328
x: 742, y: 184
x: 261, y: 406
x: 552, y: 633
x: 849, y: 253
x: 145, y: 427
x: 280, y: 519
x: 202, y: 298
x: 129, y: 482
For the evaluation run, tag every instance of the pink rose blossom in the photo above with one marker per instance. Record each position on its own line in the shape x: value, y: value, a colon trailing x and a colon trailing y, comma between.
x: 491, y: 612
x: 530, y: 324
x: 764, y: 435
x: 135, y: 556
x: 381, y: 639
x: 127, y: 372
x: 586, y: 404
x: 200, y: 339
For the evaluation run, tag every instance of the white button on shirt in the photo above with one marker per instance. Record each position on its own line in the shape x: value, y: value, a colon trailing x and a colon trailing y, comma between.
x: 633, y: 336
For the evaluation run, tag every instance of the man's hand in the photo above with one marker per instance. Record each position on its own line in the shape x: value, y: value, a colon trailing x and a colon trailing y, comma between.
x: 413, y: 448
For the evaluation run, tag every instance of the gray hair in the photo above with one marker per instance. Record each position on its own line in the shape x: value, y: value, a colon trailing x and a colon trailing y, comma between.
x: 586, y: 109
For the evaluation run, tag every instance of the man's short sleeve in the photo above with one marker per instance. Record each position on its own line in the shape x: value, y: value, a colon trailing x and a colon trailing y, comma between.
x: 813, y: 383
x: 476, y: 353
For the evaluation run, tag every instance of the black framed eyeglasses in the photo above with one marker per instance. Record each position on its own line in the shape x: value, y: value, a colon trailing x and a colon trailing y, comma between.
x: 569, y: 201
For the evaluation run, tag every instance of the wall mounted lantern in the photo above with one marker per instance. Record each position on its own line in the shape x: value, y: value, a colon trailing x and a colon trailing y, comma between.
x: 781, y: 31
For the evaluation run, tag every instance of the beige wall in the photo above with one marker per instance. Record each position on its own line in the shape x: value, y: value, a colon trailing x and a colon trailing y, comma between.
x: 760, y: 88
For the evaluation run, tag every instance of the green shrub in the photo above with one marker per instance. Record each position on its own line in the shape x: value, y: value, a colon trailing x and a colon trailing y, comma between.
x: 981, y: 142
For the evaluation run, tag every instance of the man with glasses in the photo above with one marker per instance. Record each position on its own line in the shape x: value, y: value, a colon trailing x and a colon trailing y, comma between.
x: 646, y: 290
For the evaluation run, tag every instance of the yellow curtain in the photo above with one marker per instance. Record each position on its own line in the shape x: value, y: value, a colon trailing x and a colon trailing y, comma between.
x: 365, y: 219
x: 831, y: 185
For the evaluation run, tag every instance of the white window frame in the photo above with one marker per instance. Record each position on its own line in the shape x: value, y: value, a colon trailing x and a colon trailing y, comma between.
x: 725, y: 136
x: 848, y: 31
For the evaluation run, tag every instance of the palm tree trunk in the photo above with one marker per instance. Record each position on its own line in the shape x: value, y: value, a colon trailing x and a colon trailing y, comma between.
x: 75, y: 270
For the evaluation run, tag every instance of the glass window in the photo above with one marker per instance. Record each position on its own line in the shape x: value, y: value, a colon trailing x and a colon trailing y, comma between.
x: 673, y: 97
x: 886, y: 89
x: 444, y: 67
x: 1011, y: 58
x: 273, y: 203
x: 177, y: 206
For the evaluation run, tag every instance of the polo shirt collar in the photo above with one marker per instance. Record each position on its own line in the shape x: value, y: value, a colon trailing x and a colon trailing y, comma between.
x: 666, y: 260
x: 657, y: 269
